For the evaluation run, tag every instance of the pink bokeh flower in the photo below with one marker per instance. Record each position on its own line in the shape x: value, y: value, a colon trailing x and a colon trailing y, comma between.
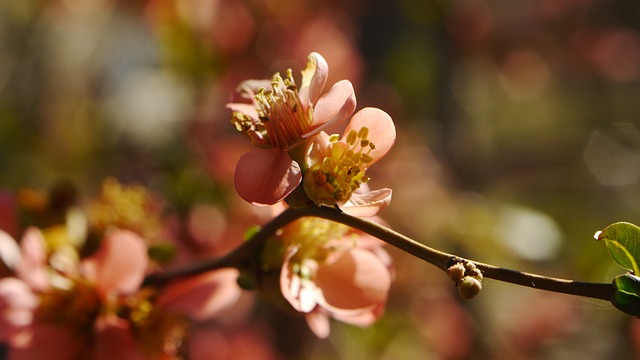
x: 332, y: 271
x: 98, y: 308
x: 278, y: 117
x: 336, y: 166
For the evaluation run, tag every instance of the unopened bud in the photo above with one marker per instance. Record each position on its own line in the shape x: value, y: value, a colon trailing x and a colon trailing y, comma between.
x: 469, y: 287
x: 474, y: 273
x: 456, y: 272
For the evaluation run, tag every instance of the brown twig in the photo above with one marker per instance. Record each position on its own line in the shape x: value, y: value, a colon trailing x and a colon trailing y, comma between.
x: 241, y: 257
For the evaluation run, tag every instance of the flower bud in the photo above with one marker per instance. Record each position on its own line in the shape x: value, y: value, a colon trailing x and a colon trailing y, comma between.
x: 474, y: 273
x: 469, y: 287
x: 456, y: 272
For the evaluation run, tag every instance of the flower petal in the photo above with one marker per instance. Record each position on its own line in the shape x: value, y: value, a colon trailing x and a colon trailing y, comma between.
x: 302, y: 294
x: 266, y: 176
x: 31, y: 268
x: 314, y: 77
x: 333, y: 107
x: 356, y: 279
x: 9, y: 250
x: 203, y: 296
x: 244, y: 93
x: 382, y: 132
x: 367, y: 204
x: 119, y: 265
x: 17, y: 304
x: 319, y: 323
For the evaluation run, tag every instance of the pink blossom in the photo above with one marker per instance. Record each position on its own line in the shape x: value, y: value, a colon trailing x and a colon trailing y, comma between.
x: 336, y: 167
x: 278, y: 117
x: 331, y: 271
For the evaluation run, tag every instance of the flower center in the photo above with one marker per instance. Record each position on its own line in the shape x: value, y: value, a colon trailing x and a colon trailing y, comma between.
x: 342, y: 172
x: 314, y: 239
x: 282, y: 118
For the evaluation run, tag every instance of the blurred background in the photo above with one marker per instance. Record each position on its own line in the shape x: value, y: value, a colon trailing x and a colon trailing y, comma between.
x: 517, y: 139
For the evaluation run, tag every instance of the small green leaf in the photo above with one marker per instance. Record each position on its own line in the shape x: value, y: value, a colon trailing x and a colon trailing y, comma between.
x: 623, y: 242
x: 626, y: 296
x: 251, y: 232
x: 163, y: 253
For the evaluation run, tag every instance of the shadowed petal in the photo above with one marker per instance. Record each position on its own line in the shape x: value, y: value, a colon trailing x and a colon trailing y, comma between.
x: 382, y: 132
x: 333, y: 107
x: 266, y: 176
x: 356, y: 279
x: 120, y: 264
x: 203, y: 296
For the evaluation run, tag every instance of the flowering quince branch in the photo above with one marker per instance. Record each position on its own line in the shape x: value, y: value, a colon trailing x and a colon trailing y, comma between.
x: 329, y: 259
x: 242, y: 256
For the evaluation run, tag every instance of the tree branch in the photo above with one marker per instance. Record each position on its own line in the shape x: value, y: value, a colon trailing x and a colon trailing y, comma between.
x: 242, y: 257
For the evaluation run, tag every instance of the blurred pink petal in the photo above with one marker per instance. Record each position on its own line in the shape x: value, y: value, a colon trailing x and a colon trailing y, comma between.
x: 9, y: 250
x: 266, y: 176
x: 203, y: 296
x: 382, y: 132
x: 17, y: 304
x: 31, y: 268
x: 119, y: 265
x: 318, y: 322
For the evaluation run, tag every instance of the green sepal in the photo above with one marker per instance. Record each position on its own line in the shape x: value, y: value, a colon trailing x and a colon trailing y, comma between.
x: 626, y: 296
x: 623, y: 242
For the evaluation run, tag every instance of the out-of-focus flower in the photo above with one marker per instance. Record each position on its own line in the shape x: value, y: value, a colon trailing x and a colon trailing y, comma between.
x: 333, y: 271
x: 336, y: 167
x: 98, y: 307
x: 278, y: 117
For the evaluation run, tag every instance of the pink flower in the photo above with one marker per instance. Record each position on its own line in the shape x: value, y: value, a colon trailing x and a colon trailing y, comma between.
x: 278, y: 117
x: 332, y: 271
x: 336, y: 167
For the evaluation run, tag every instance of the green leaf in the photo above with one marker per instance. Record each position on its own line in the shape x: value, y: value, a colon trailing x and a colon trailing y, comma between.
x: 623, y: 242
x: 626, y: 296
x: 163, y: 253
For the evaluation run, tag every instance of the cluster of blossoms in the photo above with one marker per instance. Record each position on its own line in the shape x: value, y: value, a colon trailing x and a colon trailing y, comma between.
x: 327, y: 270
x: 75, y: 289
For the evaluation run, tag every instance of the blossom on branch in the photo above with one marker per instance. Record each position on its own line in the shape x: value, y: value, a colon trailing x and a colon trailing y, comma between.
x: 336, y: 166
x: 278, y: 117
x: 333, y: 271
